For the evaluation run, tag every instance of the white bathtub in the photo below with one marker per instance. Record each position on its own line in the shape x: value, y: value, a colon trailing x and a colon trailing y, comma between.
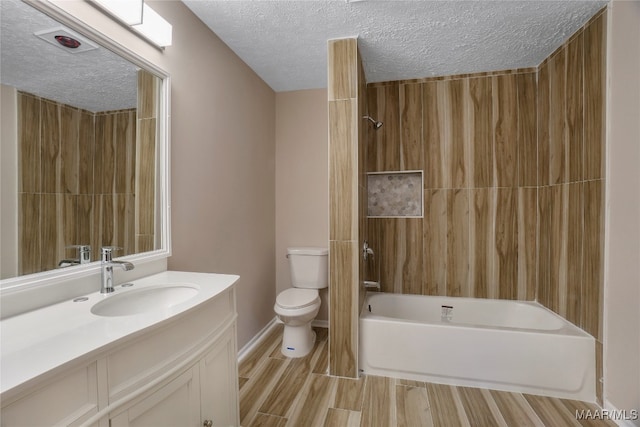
x: 505, y: 345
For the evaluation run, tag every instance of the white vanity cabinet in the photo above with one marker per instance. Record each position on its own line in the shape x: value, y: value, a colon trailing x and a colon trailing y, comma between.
x: 180, y: 371
x: 202, y: 393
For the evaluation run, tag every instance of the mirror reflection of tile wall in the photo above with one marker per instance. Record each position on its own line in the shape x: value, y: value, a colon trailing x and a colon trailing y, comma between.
x: 78, y: 179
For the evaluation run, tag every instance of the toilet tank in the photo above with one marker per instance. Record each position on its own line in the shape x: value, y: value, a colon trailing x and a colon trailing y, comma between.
x: 309, y: 267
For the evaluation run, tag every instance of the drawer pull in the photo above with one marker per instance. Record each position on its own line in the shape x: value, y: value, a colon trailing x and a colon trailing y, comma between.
x: 207, y: 423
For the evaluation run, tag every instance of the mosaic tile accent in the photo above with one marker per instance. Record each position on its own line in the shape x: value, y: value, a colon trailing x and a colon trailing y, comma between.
x: 395, y: 194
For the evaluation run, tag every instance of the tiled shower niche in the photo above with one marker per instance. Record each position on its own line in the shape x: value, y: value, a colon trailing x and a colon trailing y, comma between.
x: 395, y: 194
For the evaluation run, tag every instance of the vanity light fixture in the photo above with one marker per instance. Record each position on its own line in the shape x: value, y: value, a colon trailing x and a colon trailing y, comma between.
x: 154, y: 28
x: 141, y: 18
x: 127, y: 11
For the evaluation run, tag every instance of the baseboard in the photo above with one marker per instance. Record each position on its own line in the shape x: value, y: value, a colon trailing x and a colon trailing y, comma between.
x: 253, y: 342
x: 320, y: 323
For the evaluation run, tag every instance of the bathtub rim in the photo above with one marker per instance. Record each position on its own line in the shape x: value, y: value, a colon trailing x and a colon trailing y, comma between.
x: 567, y: 327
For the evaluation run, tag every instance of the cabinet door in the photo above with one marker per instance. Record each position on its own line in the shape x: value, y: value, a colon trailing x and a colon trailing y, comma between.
x: 175, y: 404
x: 219, y: 381
x: 66, y: 400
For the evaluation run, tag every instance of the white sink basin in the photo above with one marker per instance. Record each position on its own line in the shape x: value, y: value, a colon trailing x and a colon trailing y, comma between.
x: 149, y: 298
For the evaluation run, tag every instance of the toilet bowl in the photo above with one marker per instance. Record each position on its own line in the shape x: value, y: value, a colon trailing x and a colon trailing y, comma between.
x: 297, y: 307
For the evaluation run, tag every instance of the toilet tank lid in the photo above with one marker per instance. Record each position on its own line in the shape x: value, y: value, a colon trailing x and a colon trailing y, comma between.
x: 307, y: 250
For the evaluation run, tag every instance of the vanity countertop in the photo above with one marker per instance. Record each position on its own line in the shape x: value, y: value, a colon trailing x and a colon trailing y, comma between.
x: 37, y: 342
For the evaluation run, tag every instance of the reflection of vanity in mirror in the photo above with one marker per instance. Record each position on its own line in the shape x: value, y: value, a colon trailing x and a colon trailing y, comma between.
x: 81, y: 148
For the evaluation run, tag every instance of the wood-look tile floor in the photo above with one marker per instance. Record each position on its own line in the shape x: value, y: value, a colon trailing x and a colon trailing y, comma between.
x: 278, y: 391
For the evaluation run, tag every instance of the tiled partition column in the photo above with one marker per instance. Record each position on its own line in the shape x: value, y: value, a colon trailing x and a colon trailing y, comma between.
x: 146, y: 161
x: 346, y: 196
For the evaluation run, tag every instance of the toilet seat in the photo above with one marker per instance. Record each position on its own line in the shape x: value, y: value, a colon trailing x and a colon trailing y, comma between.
x: 295, y: 298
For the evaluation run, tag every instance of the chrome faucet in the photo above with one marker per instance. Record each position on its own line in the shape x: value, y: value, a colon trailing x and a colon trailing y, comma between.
x: 107, y: 269
x: 84, y: 256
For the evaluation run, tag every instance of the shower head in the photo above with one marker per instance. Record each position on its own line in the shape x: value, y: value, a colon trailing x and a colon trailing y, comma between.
x: 376, y: 124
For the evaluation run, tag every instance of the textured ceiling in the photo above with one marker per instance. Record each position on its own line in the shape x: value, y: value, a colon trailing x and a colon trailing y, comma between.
x: 96, y: 80
x: 284, y: 42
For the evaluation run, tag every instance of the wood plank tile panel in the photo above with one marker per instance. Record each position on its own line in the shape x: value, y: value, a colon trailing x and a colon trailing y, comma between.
x: 575, y: 236
x: 527, y: 130
x: 557, y: 113
x: 481, y: 249
x: 411, y: 262
x: 410, y: 101
x: 435, y: 241
x: 412, y: 407
x: 285, y: 391
x: 29, y: 212
x: 594, y: 98
x: 557, y: 247
x: 311, y: 408
x: 343, y: 213
x: 379, y: 396
x: 343, y: 337
x: 505, y: 258
x: 593, y: 275
x: 479, y: 133
x: 342, y: 80
x: 254, y: 391
x: 457, y: 144
x: 551, y: 411
x: 349, y: 394
x: 436, y: 133
x: 458, y: 243
x: 544, y: 246
x: 69, y: 149
x: 515, y: 409
x: 342, y: 418
x: 543, y: 104
x: 446, y: 408
x: 527, y: 243
x: 476, y: 408
x: 388, y: 136
x: 86, y: 152
x: 29, y: 120
x: 505, y: 130
x: 50, y: 146
x: 574, y: 108
x: 266, y: 420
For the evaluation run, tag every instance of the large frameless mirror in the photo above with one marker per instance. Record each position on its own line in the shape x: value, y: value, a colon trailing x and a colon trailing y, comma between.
x: 84, y: 148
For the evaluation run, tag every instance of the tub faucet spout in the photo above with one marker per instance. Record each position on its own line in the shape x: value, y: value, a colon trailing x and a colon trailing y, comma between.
x: 370, y: 284
x: 107, y: 269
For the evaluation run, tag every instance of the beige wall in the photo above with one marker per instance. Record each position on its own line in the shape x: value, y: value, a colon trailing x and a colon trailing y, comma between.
x: 9, y: 183
x: 222, y: 167
x: 302, y: 188
x: 622, y: 247
x: 222, y: 157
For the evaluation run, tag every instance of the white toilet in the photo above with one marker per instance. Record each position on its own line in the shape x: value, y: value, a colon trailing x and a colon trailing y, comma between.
x: 298, y: 306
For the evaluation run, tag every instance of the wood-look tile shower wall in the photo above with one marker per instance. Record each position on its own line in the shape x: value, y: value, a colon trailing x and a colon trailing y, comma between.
x: 513, y: 166
x: 474, y: 138
x: 78, y: 180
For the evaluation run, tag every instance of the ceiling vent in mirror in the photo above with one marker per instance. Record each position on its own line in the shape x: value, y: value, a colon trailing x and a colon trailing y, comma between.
x: 66, y: 39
